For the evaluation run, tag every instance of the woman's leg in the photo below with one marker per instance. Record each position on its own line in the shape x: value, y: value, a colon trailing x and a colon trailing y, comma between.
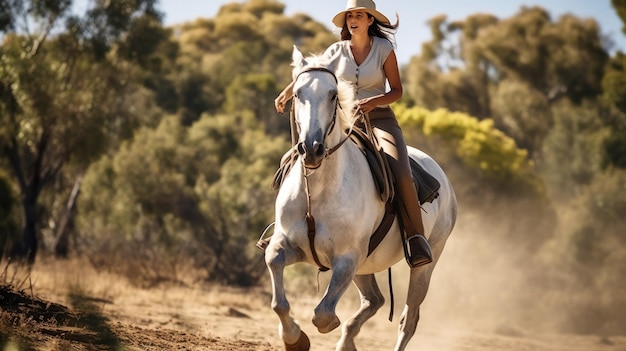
x: 390, y: 138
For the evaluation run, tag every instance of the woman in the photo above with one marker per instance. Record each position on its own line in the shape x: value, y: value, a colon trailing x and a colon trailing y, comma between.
x: 365, y: 56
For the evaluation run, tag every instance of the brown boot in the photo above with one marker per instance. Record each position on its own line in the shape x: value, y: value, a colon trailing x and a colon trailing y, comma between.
x: 419, y: 252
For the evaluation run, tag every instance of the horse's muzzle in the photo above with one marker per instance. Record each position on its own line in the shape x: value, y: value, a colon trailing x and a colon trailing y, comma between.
x: 312, y: 153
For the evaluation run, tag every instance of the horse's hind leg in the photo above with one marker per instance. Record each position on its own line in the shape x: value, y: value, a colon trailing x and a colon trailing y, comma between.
x: 418, y: 286
x: 371, y: 300
x: 276, y: 259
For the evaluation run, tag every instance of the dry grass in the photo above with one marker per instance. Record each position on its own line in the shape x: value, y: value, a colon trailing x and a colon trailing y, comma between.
x: 109, y: 312
x: 479, y: 300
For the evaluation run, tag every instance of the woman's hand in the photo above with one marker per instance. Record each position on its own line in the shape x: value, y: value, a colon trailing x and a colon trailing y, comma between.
x: 367, y: 105
x: 281, y: 101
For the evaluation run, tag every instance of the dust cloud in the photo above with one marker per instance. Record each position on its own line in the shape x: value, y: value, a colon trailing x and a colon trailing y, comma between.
x: 485, y: 283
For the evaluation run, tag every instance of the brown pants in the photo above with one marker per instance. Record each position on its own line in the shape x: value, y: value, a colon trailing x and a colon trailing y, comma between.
x: 390, y: 138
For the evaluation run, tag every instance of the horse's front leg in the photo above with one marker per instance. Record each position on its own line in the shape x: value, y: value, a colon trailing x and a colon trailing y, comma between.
x: 277, y: 257
x: 325, y: 318
x: 371, y: 300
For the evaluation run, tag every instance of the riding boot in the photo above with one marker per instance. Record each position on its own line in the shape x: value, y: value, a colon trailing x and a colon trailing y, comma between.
x: 418, y: 252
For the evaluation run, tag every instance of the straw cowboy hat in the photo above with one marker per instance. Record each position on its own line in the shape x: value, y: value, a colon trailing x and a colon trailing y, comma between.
x: 359, y: 5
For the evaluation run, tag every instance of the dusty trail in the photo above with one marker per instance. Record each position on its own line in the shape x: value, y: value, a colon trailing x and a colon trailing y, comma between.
x: 112, y: 314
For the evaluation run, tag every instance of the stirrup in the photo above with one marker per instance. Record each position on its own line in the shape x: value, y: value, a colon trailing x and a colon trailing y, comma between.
x: 262, y: 243
x: 418, y: 251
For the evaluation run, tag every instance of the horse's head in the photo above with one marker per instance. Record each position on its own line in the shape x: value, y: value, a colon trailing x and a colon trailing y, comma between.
x: 318, y: 96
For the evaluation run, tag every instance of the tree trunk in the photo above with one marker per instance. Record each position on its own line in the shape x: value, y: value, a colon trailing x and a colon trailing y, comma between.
x: 31, y: 183
x: 61, y: 248
x: 29, y: 244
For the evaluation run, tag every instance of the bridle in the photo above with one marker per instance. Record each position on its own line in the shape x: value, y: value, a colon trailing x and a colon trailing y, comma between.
x: 327, y: 152
x: 332, y: 123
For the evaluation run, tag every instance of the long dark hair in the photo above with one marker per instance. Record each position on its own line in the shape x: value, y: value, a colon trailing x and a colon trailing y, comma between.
x: 377, y: 29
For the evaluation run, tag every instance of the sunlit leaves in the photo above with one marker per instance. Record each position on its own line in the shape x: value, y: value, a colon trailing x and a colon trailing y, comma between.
x: 476, y: 142
x: 245, y: 39
x: 262, y: 8
x: 236, y: 27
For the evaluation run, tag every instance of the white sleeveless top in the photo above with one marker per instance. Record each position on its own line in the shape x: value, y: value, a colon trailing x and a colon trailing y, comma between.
x: 369, y: 77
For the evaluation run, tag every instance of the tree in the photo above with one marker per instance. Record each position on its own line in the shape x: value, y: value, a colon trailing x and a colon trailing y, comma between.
x: 620, y: 9
x: 481, y: 147
x: 614, y: 85
x: 58, y: 92
x: 199, y: 193
x: 491, y: 68
x: 7, y: 220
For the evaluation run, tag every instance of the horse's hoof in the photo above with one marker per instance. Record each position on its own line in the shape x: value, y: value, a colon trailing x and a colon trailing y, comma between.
x: 303, y: 344
x: 334, y: 323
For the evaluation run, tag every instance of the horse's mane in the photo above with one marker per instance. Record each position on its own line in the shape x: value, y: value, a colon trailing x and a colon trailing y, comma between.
x: 345, y: 89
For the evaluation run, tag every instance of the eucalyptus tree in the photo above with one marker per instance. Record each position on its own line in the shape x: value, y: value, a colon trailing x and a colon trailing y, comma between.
x: 62, y: 89
x: 614, y: 85
x: 512, y: 70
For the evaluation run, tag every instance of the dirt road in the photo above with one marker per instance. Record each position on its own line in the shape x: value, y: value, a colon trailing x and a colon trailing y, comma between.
x: 99, y: 311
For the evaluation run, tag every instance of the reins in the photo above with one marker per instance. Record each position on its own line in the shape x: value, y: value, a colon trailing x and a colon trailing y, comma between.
x: 308, y: 170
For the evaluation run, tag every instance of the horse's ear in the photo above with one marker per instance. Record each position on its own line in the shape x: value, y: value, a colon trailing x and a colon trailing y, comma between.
x: 333, y: 65
x: 298, y: 60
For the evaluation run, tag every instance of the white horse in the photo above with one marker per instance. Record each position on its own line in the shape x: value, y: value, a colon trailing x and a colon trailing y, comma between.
x: 339, y: 192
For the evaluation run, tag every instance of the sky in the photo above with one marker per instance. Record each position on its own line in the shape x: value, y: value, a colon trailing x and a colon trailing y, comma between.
x: 414, y: 14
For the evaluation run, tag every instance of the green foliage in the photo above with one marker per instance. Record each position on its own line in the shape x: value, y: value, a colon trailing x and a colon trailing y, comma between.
x: 495, y: 182
x: 106, y: 22
x: 256, y: 93
x: 57, y: 88
x: 614, y: 81
x: 147, y: 191
x: 614, y: 85
x: 176, y: 188
x: 145, y: 36
x: 615, y: 148
x: 550, y: 86
x: 511, y: 71
x: 572, y: 152
x: 180, y: 140
x: 262, y: 8
x: 55, y: 7
x: 477, y: 143
x: 524, y: 112
x: 252, y: 39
